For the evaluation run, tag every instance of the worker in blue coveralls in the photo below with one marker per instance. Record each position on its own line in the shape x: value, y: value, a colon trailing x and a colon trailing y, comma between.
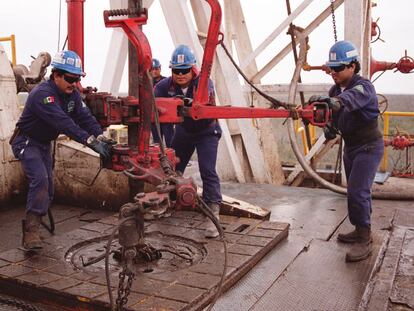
x: 355, y: 115
x: 167, y: 129
x: 54, y: 107
x: 201, y: 135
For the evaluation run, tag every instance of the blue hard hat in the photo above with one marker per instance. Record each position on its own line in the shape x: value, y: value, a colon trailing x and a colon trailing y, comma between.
x: 342, y: 53
x: 182, y: 58
x: 68, y: 61
x: 156, y: 63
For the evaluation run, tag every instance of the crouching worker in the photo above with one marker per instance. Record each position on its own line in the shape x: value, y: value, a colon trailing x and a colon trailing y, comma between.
x: 355, y: 114
x: 191, y: 135
x: 54, y: 107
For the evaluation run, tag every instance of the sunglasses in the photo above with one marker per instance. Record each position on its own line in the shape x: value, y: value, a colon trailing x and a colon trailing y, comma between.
x: 183, y: 71
x: 338, y: 68
x: 71, y: 79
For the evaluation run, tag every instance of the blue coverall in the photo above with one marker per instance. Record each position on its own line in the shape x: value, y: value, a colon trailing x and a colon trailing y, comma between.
x: 47, y: 113
x: 201, y: 135
x: 167, y: 129
x: 357, y: 120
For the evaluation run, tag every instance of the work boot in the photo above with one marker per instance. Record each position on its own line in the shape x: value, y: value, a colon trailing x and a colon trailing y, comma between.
x: 362, y: 247
x: 211, y: 230
x: 350, y: 237
x: 31, y: 235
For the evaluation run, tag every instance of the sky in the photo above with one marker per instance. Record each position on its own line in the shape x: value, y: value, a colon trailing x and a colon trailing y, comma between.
x: 35, y: 24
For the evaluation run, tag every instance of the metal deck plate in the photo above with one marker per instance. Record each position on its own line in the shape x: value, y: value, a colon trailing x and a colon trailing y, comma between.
x: 319, y: 279
x: 48, y: 278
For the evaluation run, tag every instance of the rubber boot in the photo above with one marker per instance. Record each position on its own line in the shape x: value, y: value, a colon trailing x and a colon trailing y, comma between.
x: 362, y: 248
x: 31, y: 234
x: 211, y: 230
x: 350, y: 237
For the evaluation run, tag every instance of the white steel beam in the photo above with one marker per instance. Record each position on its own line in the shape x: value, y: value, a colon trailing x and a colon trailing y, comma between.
x: 258, y: 140
x: 265, y: 133
x: 183, y: 31
x: 285, y: 51
x: 275, y: 33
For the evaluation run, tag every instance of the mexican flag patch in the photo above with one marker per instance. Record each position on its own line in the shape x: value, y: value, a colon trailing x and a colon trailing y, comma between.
x: 49, y: 100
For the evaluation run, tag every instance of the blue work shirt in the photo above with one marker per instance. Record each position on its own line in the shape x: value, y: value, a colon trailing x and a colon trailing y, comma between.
x: 357, y: 117
x: 168, y: 88
x: 49, y: 112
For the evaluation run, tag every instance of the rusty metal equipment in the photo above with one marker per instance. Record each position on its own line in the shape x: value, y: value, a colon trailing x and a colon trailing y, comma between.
x: 155, y: 164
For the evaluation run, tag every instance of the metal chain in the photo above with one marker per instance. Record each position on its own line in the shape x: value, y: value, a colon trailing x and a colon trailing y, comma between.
x: 123, y: 292
x: 333, y: 20
x: 13, y: 302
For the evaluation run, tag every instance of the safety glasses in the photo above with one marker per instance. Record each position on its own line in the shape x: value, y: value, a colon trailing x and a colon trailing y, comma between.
x: 182, y: 71
x: 338, y: 68
x: 71, y: 79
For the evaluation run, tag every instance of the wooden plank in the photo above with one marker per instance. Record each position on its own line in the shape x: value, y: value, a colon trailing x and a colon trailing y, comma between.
x: 234, y: 207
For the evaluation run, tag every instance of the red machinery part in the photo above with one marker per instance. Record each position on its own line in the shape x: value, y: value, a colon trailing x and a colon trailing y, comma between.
x: 399, y: 142
x: 213, y: 34
x: 405, y: 64
x: 75, y: 28
x: 132, y: 28
x: 317, y: 113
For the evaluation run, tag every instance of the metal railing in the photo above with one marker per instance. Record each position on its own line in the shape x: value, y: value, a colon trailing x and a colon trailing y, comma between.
x: 12, y: 40
x: 386, y: 117
x: 301, y: 129
x: 386, y: 128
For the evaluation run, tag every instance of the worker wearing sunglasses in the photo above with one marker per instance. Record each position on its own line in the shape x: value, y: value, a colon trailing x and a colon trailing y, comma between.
x: 202, y: 135
x: 354, y: 104
x: 54, y: 107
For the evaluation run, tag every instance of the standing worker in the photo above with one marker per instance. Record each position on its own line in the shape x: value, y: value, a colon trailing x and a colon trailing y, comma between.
x: 167, y: 129
x: 156, y: 71
x: 354, y: 104
x: 201, y: 135
x: 54, y: 107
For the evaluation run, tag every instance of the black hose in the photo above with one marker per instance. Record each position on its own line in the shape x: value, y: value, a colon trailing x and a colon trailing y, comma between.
x: 206, y: 210
x: 275, y: 102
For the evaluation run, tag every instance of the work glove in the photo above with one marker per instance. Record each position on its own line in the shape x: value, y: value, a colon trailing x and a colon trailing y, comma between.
x: 329, y: 132
x: 188, y: 102
x: 100, y: 147
x: 107, y: 140
x: 333, y: 103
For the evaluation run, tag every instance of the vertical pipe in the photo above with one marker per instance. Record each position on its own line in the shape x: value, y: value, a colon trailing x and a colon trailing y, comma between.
x: 135, y: 186
x: 384, y: 163
x: 75, y: 28
x: 13, y: 49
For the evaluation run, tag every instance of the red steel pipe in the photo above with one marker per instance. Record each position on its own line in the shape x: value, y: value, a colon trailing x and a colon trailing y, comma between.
x: 75, y: 28
x: 201, y: 95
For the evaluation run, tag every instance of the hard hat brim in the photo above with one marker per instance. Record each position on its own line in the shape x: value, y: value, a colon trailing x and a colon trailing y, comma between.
x: 181, y: 67
x: 336, y: 64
